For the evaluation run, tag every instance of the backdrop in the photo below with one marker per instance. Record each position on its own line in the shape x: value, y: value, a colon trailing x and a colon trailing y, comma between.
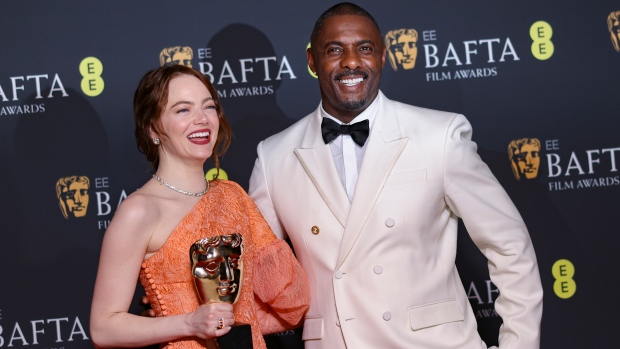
x: 539, y: 81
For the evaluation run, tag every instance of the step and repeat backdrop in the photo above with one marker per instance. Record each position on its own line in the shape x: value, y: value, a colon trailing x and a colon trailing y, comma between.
x: 539, y: 81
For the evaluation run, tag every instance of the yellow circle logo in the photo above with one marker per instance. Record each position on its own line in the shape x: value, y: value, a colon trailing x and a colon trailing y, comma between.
x: 210, y: 175
x: 542, y: 46
x: 92, y: 84
x: 310, y: 70
x: 563, y: 271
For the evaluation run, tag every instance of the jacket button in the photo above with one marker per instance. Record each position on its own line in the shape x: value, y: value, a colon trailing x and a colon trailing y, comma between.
x: 387, y: 316
x: 339, y: 274
x: 390, y: 222
x: 378, y: 269
x: 315, y: 230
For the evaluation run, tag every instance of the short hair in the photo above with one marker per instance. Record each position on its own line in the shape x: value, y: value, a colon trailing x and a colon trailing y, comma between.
x: 149, y: 103
x: 341, y: 9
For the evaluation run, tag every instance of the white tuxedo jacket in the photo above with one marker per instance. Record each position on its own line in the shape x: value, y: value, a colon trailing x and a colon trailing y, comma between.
x: 382, y: 268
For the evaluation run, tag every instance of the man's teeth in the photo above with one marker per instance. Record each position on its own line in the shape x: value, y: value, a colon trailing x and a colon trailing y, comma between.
x: 199, y: 134
x: 351, y: 82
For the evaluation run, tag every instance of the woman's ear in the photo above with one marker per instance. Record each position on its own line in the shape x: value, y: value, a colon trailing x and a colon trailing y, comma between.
x: 155, y: 137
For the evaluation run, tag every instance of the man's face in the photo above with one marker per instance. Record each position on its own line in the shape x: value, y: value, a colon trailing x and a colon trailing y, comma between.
x: 75, y: 199
x: 405, y: 51
x: 528, y: 160
x: 348, y: 57
x: 217, y: 270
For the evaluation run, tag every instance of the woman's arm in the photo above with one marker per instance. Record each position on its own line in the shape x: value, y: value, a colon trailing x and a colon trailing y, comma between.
x: 279, y: 281
x: 122, y: 252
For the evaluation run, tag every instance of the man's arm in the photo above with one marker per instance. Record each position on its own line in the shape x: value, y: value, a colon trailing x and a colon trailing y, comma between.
x: 496, y: 227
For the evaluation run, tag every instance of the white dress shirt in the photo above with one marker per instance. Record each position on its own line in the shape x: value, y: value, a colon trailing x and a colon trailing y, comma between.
x: 347, y: 154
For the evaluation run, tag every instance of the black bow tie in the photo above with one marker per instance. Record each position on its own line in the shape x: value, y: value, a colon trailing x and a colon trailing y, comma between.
x: 358, y: 131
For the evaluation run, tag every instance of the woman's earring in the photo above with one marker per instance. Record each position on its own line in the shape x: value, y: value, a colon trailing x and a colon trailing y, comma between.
x: 156, y: 141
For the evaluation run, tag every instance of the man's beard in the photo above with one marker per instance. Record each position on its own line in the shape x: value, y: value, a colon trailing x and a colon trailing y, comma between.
x: 352, y: 105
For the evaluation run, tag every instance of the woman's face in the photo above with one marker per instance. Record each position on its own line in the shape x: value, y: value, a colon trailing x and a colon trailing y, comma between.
x: 189, y: 121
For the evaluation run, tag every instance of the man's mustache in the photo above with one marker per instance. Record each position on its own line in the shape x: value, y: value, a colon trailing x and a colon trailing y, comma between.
x: 350, y: 73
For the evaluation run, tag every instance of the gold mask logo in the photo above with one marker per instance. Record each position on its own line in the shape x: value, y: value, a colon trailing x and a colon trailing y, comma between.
x: 72, y: 193
x: 524, y: 157
x: 613, y: 24
x: 402, y: 48
x: 176, y: 55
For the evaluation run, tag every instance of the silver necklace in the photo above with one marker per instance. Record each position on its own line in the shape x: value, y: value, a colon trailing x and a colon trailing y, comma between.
x: 201, y: 193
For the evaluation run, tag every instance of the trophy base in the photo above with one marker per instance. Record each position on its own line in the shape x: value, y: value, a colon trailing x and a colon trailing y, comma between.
x: 239, y: 337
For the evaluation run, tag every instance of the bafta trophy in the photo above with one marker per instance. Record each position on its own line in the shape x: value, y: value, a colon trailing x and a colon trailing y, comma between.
x: 218, y: 275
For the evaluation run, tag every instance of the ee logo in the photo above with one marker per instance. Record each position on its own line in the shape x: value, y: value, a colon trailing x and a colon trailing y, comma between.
x: 563, y: 271
x: 92, y: 84
x: 542, y: 47
x: 210, y: 175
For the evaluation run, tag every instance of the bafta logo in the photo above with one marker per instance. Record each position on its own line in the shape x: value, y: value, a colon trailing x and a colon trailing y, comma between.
x: 72, y: 193
x: 524, y: 157
x: 613, y: 24
x: 217, y: 268
x: 176, y: 55
x: 402, y: 48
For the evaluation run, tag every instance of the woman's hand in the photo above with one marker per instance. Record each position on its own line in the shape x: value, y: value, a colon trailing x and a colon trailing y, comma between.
x: 211, y: 320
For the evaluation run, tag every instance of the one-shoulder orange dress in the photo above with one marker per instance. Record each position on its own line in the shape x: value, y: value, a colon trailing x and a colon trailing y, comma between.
x: 274, y: 294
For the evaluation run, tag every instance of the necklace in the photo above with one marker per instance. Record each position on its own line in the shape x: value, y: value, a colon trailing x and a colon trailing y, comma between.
x: 200, y: 193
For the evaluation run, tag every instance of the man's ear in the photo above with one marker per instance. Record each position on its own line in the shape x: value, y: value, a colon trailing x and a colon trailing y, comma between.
x: 310, y: 57
x: 383, y: 56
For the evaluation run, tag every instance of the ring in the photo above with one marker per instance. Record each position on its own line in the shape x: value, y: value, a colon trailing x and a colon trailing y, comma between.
x: 220, y: 322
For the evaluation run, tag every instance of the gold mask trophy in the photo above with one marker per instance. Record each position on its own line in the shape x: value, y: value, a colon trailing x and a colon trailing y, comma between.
x: 218, y: 275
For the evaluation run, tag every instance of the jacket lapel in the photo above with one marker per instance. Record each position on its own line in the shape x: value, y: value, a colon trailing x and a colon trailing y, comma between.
x: 385, y: 146
x: 316, y: 159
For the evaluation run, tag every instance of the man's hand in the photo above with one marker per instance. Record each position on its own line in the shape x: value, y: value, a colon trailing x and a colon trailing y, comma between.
x: 144, y: 301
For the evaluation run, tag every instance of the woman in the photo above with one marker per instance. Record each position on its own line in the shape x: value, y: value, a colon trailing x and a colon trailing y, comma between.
x: 179, y: 125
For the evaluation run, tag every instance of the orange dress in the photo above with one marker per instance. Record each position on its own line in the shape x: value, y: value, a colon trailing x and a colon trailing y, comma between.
x: 274, y: 294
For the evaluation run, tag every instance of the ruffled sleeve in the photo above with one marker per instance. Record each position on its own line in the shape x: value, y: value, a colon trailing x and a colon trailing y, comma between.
x: 280, y: 285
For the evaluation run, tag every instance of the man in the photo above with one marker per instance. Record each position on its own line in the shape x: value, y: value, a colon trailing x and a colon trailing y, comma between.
x: 374, y: 224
